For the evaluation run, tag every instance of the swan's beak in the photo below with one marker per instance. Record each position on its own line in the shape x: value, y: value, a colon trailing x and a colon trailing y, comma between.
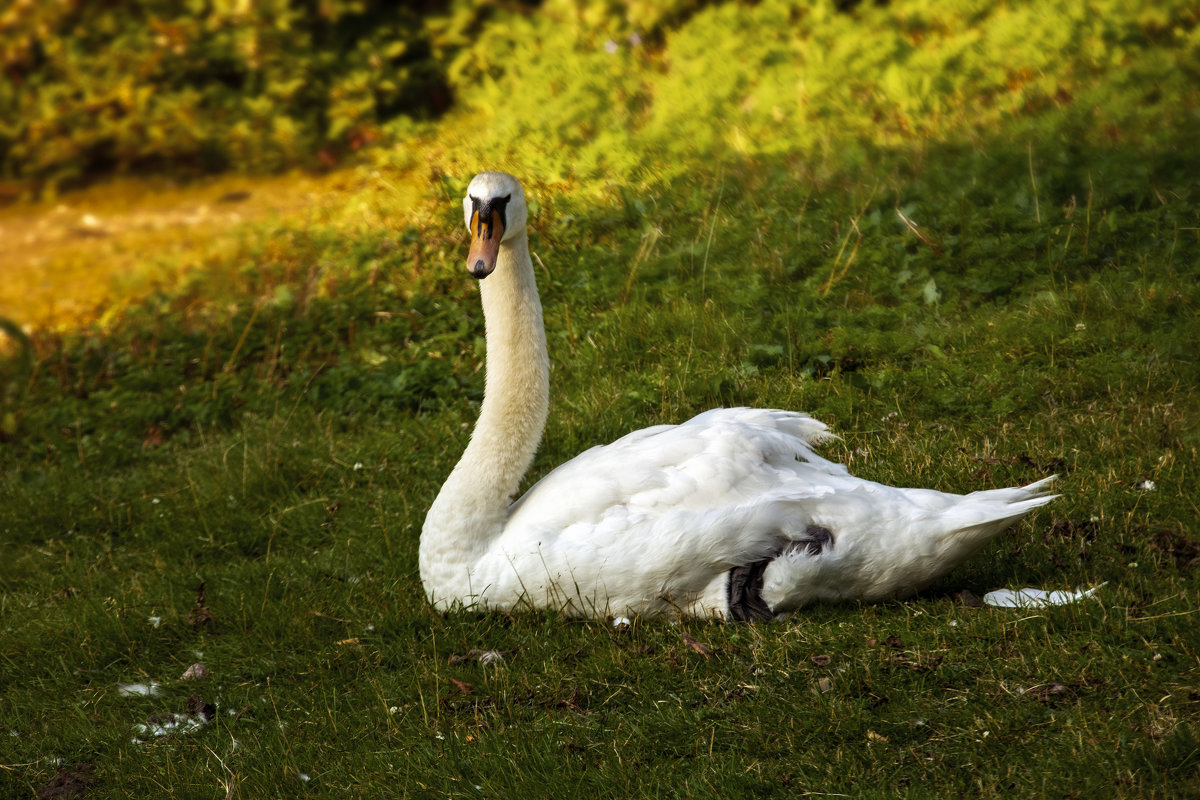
x: 485, y: 244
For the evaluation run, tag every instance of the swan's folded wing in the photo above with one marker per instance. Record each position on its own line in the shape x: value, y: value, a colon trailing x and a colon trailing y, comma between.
x: 715, y: 463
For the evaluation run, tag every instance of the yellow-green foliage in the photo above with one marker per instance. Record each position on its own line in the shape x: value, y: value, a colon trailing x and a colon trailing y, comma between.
x: 570, y: 88
x: 573, y: 91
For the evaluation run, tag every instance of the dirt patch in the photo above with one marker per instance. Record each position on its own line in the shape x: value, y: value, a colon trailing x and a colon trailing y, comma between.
x: 1183, y: 550
x: 70, y: 782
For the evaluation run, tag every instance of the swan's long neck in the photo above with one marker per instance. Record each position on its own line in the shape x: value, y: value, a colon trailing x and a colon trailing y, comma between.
x: 470, y: 511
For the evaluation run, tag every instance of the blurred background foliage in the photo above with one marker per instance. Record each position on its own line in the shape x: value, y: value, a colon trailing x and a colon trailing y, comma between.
x: 206, y: 86
x: 200, y: 86
x: 830, y: 82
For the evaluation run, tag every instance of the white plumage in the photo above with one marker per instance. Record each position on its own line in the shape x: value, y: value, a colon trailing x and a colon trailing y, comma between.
x: 731, y: 514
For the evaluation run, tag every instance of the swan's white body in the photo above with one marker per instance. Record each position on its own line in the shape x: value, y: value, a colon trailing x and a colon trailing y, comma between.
x: 661, y: 520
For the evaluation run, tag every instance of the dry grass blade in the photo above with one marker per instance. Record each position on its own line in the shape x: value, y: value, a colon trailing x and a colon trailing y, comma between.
x: 912, y: 226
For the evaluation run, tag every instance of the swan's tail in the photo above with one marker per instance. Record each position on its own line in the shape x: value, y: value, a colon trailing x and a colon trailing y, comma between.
x: 1034, y: 491
x: 983, y: 515
x: 879, y: 541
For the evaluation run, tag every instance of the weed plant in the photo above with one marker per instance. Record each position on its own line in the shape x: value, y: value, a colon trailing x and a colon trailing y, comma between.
x: 234, y: 470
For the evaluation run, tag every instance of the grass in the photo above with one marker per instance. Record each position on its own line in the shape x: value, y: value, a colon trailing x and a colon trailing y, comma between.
x: 271, y: 420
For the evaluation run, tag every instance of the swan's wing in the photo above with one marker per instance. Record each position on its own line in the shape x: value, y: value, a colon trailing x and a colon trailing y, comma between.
x: 654, y: 518
x: 717, y: 468
x: 564, y: 474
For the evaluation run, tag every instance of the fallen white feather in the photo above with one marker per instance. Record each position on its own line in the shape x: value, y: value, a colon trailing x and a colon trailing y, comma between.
x: 167, y: 724
x: 490, y: 657
x: 1035, y: 598
x: 138, y: 689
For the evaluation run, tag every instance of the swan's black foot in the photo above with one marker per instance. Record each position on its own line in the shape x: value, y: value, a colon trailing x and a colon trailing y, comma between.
x: 814, y: 540
x: 746, y: 602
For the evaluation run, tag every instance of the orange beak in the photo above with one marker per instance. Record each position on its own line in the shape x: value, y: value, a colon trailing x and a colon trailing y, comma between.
x: 485, y: 243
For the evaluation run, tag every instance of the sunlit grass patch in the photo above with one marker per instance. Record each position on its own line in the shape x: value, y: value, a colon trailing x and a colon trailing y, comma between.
x: 82, y: 258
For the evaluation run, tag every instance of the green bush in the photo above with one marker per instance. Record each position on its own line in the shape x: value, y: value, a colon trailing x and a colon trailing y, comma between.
x: 575, y: 88
x: 201, y: 87
x: 635, y: 97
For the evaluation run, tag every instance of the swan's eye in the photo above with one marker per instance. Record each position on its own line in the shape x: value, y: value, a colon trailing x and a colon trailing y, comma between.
x: 481, y: 214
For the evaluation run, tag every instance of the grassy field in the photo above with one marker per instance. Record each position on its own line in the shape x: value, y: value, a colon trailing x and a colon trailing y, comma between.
x: 968, y: 240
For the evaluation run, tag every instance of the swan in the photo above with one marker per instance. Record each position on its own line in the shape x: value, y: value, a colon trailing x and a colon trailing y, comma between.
x: 731, y: 515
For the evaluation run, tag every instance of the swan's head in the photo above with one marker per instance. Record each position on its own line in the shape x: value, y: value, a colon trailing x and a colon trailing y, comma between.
x: 494, y: 210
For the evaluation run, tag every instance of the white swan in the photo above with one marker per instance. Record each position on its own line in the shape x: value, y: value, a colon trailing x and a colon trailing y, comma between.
x: 729, y: 515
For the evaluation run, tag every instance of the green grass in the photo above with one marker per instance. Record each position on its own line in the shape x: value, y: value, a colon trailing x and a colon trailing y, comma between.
x: 274, y: 426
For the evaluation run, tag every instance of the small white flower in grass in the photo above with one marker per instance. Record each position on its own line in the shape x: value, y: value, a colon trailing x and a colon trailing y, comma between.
x: 1147, y: 486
